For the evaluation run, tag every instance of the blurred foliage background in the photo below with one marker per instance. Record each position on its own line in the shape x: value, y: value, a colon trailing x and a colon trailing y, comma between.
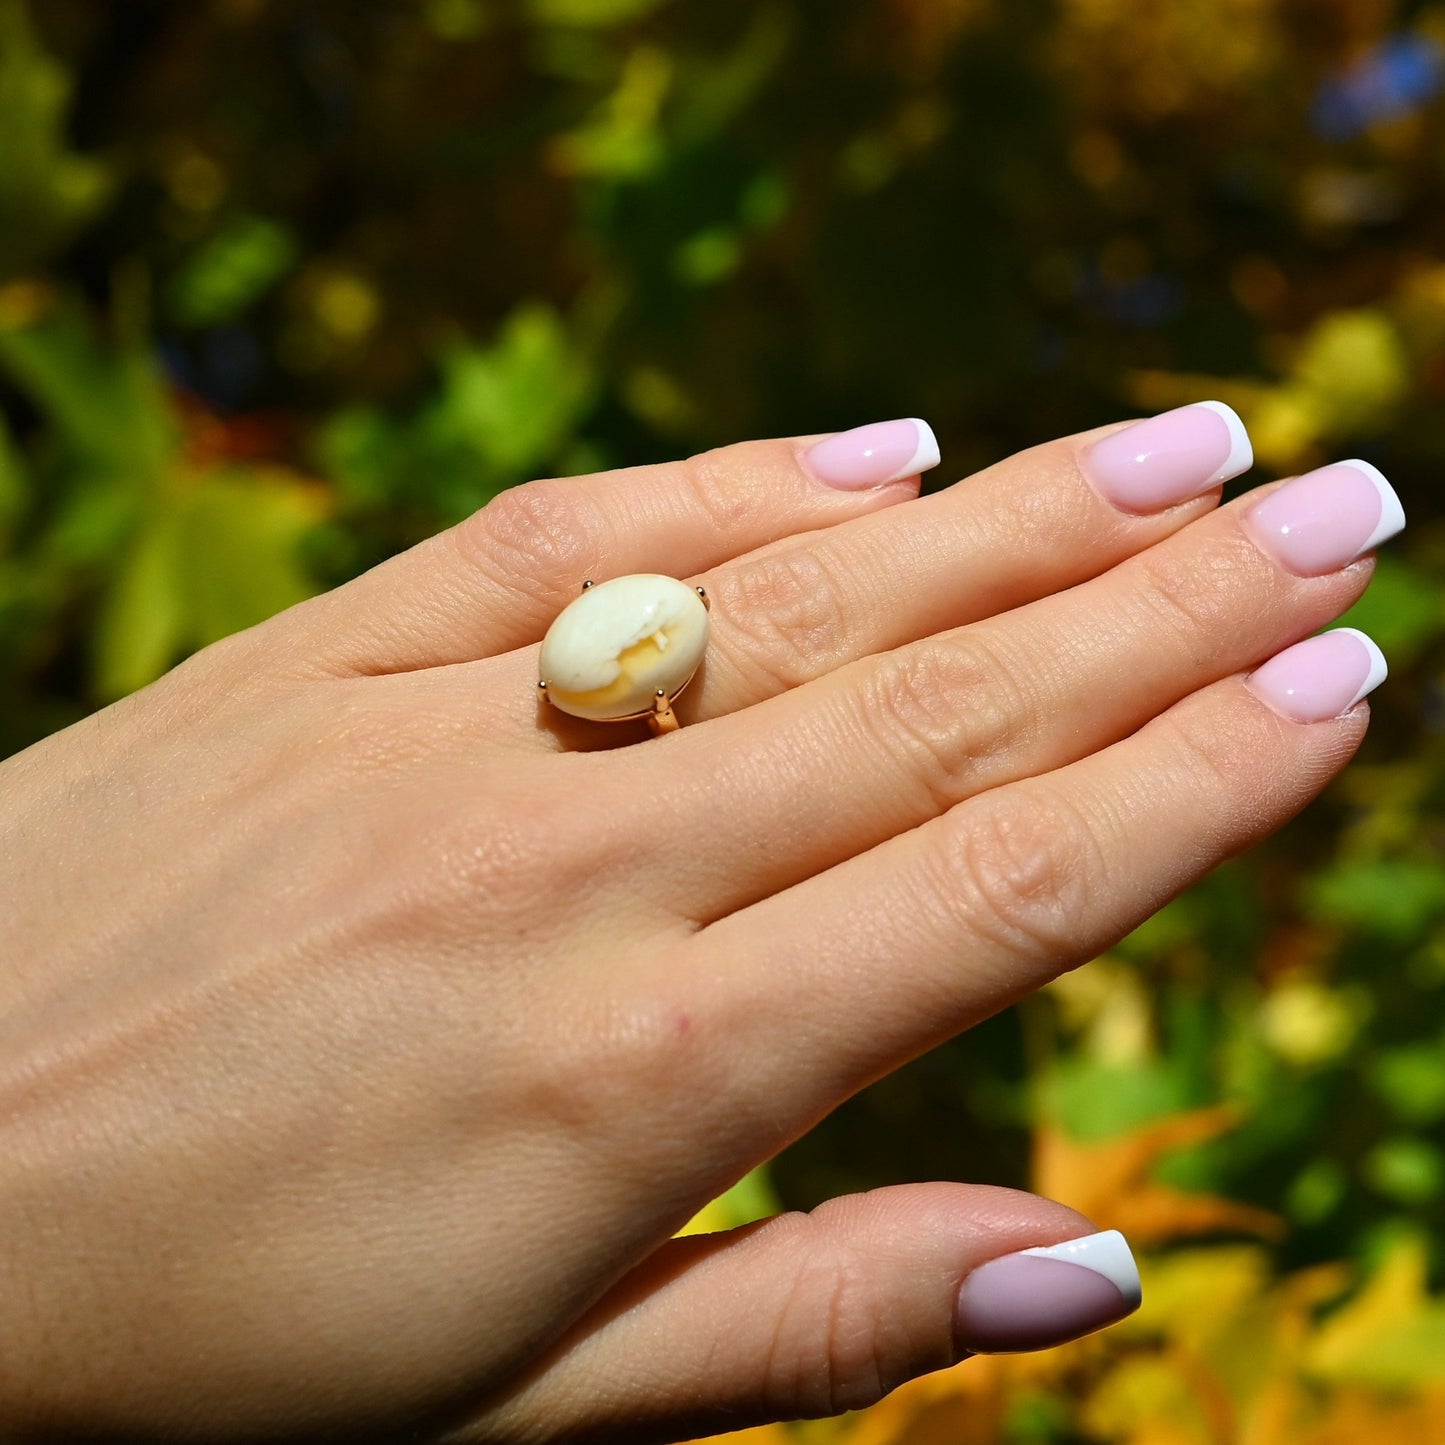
x: 286, y: 285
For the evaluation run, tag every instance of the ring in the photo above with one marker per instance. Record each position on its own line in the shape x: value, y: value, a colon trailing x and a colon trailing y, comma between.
x: 625, y: 649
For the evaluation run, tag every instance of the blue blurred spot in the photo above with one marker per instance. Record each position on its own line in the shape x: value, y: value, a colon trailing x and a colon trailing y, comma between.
x: 225, y: 367
x: 1142, y: 302
x: 1391, y: 80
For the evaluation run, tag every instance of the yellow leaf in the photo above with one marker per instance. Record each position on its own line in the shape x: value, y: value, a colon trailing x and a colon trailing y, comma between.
x: 751, y: 1198
x: 759, y: 1435
x: 1392, y: 1334
x: 1111, y: 1181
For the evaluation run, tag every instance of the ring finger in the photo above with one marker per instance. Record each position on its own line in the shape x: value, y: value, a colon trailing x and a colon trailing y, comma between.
x: 1034, y: 524
x: 808, y: 779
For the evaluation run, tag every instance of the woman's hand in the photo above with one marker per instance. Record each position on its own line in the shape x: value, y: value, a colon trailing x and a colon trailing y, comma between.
x: 369, y: 1027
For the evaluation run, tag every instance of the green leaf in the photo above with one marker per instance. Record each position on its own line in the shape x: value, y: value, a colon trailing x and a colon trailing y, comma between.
x: 1395, y: 899
x: 1409, y: 1171
x: 1411, y: 1080
x: 708, y: 257
x: 458, y: 19
x: 108, y: 406
x: 232, y: 271
x: 243, y: 537
x: 1090, y: 1100
x: 222, y: 555
x: 141, y: 625
x: 591, y: 14
x: 46, y: 192
x: 14, y: 484
x: 623, y: 139
x: 1403, y: 610
x: 512, y: 405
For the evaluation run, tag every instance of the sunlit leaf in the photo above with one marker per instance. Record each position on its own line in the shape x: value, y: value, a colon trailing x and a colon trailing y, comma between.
x: 221, y: 552
x: 623, y: 139
x: 1396, y: 899
x: 1410, y: 1171
x: 244, y: 532
x: 231, y: 272
x: 1353, y: 367
x: 1392, y: 1335
x: 142, y: 623
x: 751, y: 1198
x: 1112, y: 1180
x: 1411, y: 1080
x: 513, y: 403
x: 760, y: 1435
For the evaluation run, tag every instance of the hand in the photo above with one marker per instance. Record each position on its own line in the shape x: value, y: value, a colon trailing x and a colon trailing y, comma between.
x: 369, y: 1027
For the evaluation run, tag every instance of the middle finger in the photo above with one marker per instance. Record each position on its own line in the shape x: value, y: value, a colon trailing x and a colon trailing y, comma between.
x: 794, y: 785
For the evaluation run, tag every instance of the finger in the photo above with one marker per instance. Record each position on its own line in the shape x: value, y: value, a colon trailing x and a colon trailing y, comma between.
x: 1037, y: 523
x: 886, y: 955
x: 829, y: 770
x: 496, y: 581
x: 805, y: 1316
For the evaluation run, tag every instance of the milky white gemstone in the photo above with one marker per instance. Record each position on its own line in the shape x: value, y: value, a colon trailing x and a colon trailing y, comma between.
x: 611, y: 650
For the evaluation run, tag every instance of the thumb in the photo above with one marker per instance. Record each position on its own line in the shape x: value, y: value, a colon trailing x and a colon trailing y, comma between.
x: 808, y: 1315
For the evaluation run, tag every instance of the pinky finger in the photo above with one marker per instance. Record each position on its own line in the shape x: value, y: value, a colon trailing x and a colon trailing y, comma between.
x: 809, y: 1315
x: 847, y: 975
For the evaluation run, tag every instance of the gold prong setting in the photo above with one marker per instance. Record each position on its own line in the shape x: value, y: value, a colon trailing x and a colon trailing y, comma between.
x: 624, y: 649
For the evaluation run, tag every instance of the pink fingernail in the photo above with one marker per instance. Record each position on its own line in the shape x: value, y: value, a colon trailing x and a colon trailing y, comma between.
x: 1169, y: 458
x: 1320, y: 677
x: 873, y: 455
x: 1323, y: 520
x: 1042, y: 1297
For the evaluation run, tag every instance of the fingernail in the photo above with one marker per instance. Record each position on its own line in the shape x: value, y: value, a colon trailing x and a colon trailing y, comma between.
x: 1320, y: 677
x: 873, y: 455
x: 1169, y: 458
x: 1042, y: 1297
x: 1323, y: 520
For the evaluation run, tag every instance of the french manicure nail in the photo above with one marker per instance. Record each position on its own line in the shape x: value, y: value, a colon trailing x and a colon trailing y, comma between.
x: 1321, y: 677
x: 1170, y: 458
x: 873, y: 455
x: 1323, y: 520
x: 1042, y: 1297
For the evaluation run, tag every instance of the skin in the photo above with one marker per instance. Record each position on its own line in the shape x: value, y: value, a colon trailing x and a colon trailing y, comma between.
x: 369, y: 1028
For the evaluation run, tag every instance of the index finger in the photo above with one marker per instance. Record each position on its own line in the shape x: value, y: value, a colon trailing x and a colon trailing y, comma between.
x: 495, y: 581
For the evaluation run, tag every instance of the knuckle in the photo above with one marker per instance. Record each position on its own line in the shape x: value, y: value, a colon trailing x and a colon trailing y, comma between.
x: 1200, y: 600
x: 541, y: 538
x: 832, y: 1350
x: 511, y: 857
x: 624, y: 1077
x: 1021, y: 873
x: 938, y: 707
x: 1220, y: 766
x: 787, y: 614
x: 717, y: 484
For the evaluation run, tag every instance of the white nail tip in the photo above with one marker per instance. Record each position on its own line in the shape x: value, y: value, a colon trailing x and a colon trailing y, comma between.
x: 926, y: 455
x: 1107, y: 1254
x: 1241, y: 449
x: 1392, y: 513
x: 1379, y: 668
